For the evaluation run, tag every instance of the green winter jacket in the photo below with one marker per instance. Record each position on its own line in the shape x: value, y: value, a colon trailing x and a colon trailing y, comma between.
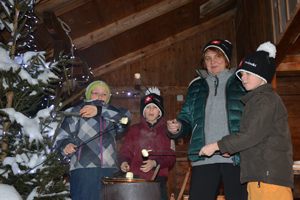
x: 192, y: 114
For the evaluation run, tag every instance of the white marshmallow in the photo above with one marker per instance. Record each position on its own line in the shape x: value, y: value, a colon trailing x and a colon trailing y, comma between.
x: 145, y: 153
x: 129, y: 175
x: 137, y: 75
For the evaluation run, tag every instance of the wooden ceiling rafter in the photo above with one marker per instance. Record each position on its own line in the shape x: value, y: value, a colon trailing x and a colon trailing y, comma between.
x: 127, y: 23
x: 154, y: 48
x: 290, y: 63
x: 51, y: 6
x: 211, y: 6
x: 288, y: 38
x: 61, y: 40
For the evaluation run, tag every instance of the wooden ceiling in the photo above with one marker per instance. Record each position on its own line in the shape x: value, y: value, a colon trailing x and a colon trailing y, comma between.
x: 103, y: 31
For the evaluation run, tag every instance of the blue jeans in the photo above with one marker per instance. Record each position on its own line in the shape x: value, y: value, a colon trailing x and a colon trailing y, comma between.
x: 86, y: 183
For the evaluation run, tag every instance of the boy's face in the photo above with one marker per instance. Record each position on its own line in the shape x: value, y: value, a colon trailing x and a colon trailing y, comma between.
x: 99, y: 93
x: 151, y: 113
x: 214, y: 62
x: 250, y: 81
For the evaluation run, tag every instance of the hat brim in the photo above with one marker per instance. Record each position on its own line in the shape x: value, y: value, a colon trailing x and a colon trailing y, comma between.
x: 240, y: 70
x: 156, y: 106
x: 218, y: 48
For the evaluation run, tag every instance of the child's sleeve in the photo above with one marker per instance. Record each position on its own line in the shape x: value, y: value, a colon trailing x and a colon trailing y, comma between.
x: 169, y: 156
x: 66, y: 134
x: 256, y: 124
x: 116, y: 114
x: 127, y: 148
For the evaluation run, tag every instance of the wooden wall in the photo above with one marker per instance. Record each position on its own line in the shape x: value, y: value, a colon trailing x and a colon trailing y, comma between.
x: 170, y: 69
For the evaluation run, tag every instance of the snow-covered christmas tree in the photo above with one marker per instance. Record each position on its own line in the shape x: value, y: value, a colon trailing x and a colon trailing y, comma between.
x: 29, y: 162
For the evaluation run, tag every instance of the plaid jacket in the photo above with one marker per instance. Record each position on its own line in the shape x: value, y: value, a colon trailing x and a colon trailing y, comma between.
x: 98, y: 152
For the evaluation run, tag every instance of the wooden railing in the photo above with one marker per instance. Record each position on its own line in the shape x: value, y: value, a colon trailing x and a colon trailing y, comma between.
x: 282, y: 14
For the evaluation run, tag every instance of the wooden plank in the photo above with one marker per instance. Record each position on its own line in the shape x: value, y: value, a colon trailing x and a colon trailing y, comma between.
x: 291, y: 59
x: 61, y: 40
x: 166, y: 90
x: 288, y: 88
x: 290, y: 35
x: 70, y: 7
x: 211, y: 6
x: 217, y: 10
x: 127, y: 23
x: 56, y: 5
x: 290, y: 63
x: 154, y: 48
x: 288, y: 67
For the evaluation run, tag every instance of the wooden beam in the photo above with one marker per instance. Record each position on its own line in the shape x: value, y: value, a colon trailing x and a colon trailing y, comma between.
x: 154, y: 48
x: 211, y: 6
x: 51, y: 5
x: 165, y: 90
x: 59, y: 7
x: 289, y: 36
x: 127, y: 23
x: 290, y: 63
x: 61, y: 39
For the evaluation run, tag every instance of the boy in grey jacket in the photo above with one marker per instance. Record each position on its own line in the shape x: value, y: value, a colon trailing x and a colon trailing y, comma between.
x: 264, y: 139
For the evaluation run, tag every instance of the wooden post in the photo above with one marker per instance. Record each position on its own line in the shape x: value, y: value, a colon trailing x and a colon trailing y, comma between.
x: 4, y: 146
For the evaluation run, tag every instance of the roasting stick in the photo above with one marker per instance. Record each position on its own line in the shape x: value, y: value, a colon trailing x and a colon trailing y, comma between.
x: 184, y: 183
x: 146, y: 154
x: 155, y: 172
x: 124, y: 120
x: 138, y: 76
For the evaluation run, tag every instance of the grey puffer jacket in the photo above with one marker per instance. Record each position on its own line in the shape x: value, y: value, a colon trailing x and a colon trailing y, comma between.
x: 264, y: 139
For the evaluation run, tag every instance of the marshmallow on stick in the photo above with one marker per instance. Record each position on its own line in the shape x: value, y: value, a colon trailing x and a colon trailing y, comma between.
x: 137, y: 76
x: 129, y: 175
x: 124, y: 120
x: 145, y: 152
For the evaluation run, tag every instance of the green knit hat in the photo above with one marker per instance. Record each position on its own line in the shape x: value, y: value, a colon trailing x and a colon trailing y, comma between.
x: 94, y: 84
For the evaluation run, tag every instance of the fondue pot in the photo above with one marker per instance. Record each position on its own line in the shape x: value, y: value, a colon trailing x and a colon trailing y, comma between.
x: 129, y: 189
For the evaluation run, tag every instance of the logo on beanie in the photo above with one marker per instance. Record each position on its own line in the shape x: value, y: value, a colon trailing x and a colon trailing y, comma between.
x: 216, y: 42
x: 241, y: 63
x: 250, y: 63
x: 148, y: 99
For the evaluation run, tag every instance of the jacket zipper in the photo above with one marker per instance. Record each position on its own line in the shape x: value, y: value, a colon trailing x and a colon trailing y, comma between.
x: 226, y: 110
x: 205, y: 112
x: 193, y: 132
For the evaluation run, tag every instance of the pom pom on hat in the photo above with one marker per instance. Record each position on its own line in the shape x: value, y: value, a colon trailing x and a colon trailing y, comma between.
x: 268, y: 47
x: 152, y: 97
x: 94, y: 84
x: 260, y: 63
x: 224, y: 45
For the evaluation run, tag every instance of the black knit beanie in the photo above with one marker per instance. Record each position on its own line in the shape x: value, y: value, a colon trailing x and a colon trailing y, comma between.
x: 224, y: 45
x: 260, y: 63
x: 152, y: 98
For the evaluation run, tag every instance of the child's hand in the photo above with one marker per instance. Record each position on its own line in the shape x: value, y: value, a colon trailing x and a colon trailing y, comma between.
x: 173, y: 126
x: 209, y: 149
x: 148, y: 165
x: 69, y: 149
x: 226, y: 155
x: 88, y: 111
x: 125, y: 167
